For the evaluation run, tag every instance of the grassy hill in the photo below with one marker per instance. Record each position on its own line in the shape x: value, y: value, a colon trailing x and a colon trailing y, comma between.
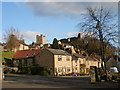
x: 8, y: 55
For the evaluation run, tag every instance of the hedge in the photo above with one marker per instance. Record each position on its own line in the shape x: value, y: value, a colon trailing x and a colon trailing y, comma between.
x: 35, y: 70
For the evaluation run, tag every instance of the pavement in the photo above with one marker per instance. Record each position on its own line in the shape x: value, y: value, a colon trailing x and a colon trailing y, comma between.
x: 36, y: 81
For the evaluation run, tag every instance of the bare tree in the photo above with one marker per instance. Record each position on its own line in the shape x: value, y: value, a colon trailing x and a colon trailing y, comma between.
x: 12, y: 38
x: 100, y: 23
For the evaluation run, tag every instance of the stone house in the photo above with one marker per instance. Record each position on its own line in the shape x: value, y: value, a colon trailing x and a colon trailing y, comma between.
x: 81, y: 64
x: 92, y: 61
x: 20, y: 46
x: 25, y: 57
x: 58, y: 61
x: 78, y: 61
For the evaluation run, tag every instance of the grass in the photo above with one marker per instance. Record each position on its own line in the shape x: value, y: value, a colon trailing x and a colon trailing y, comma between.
x: 8, y: 55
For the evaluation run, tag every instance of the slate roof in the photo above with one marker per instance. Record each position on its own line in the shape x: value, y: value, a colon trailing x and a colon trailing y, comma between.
x: 92, y: 58
x: 26, y: 53
x: 78, y: 55
x: 58, y: 51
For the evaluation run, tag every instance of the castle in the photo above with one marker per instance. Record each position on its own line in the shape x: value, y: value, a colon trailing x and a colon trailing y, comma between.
x: 40, y: 39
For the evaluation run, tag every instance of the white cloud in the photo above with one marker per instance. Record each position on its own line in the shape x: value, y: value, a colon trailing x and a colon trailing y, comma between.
x: 69, y: 34
x: 29, y: 36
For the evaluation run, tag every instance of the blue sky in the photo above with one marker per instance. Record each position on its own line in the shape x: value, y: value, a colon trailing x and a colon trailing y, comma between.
x: 21, y: 17
x: 54, y: 20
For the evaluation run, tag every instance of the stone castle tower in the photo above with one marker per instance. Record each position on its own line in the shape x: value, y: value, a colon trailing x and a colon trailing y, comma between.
x: 79, y: 35
x: 40, y: 39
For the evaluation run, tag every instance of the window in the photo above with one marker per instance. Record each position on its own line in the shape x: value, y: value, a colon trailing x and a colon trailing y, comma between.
x: 67, y: 58
x: 60, y: 69
x: 75, y: 63
x: 76, y: 70
x: 59, y: 58
x: 68, y: 69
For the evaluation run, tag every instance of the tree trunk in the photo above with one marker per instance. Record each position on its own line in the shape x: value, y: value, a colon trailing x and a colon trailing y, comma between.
x: 102, y: 48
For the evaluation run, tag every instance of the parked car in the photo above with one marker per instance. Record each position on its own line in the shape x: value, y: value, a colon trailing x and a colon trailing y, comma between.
x: 113, y: 70
x: 113, y: 73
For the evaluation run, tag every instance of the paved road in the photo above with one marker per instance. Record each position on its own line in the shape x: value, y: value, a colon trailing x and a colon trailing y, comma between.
x: 18, y: 81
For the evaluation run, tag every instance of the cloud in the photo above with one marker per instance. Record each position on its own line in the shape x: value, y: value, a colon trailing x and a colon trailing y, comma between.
x: 69, y: 34
x: 60, y: 0
x: 55, y: 9
x: 29, y: 36
x: 74, y: 9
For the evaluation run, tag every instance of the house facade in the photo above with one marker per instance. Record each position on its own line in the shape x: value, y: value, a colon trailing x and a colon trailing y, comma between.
x: 22, y: 46
x: 81, y: 64
x: 25, y: 57
x: 111, y: 62
x: 58, y: 61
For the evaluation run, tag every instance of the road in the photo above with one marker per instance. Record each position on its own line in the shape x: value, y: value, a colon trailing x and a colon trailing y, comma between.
x: 35, y: 81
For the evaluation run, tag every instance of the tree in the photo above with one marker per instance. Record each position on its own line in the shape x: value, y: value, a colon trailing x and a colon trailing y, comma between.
x: 92, y: 46
x: 100, y: 23
x: 55, y: 44
x: 12, y: 38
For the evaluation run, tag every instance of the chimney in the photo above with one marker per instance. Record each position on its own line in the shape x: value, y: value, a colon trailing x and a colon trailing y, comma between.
x: 72, y: 50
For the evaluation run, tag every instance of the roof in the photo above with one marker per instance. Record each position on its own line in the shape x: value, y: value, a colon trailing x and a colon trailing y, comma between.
x: 92, y: 58
x: 58, y: 51
x: 78, y: 55
x: 22, y: 42
x: 26, y: 53
x: 89, y: 58
x: 67, y: 44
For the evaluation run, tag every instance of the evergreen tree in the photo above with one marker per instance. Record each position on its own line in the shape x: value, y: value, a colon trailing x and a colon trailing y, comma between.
x: 55, y: 44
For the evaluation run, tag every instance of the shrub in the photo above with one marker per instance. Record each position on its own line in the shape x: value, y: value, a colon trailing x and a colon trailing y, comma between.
x: 44, y: 73
x: 35, y: 70
x: 24, y: 69
x: 6, y: 70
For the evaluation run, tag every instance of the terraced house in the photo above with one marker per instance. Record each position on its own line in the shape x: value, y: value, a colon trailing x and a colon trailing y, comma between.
x: 81, y: 64
x: 59, y: 61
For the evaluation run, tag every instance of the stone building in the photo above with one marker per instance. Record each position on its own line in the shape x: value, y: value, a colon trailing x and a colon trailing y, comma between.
x: 58, y: 61
x: 81, y: 63
x: 40, y: 39
x: 25, y: 57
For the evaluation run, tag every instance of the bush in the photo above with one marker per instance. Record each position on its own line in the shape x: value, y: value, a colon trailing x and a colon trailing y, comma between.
x: 24, y: 69
x: 35, y: 70
x: 44, y: 73
x: 6, y: 70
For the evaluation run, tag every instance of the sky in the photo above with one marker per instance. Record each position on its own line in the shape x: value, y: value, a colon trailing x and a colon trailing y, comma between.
x: 52, y: 19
